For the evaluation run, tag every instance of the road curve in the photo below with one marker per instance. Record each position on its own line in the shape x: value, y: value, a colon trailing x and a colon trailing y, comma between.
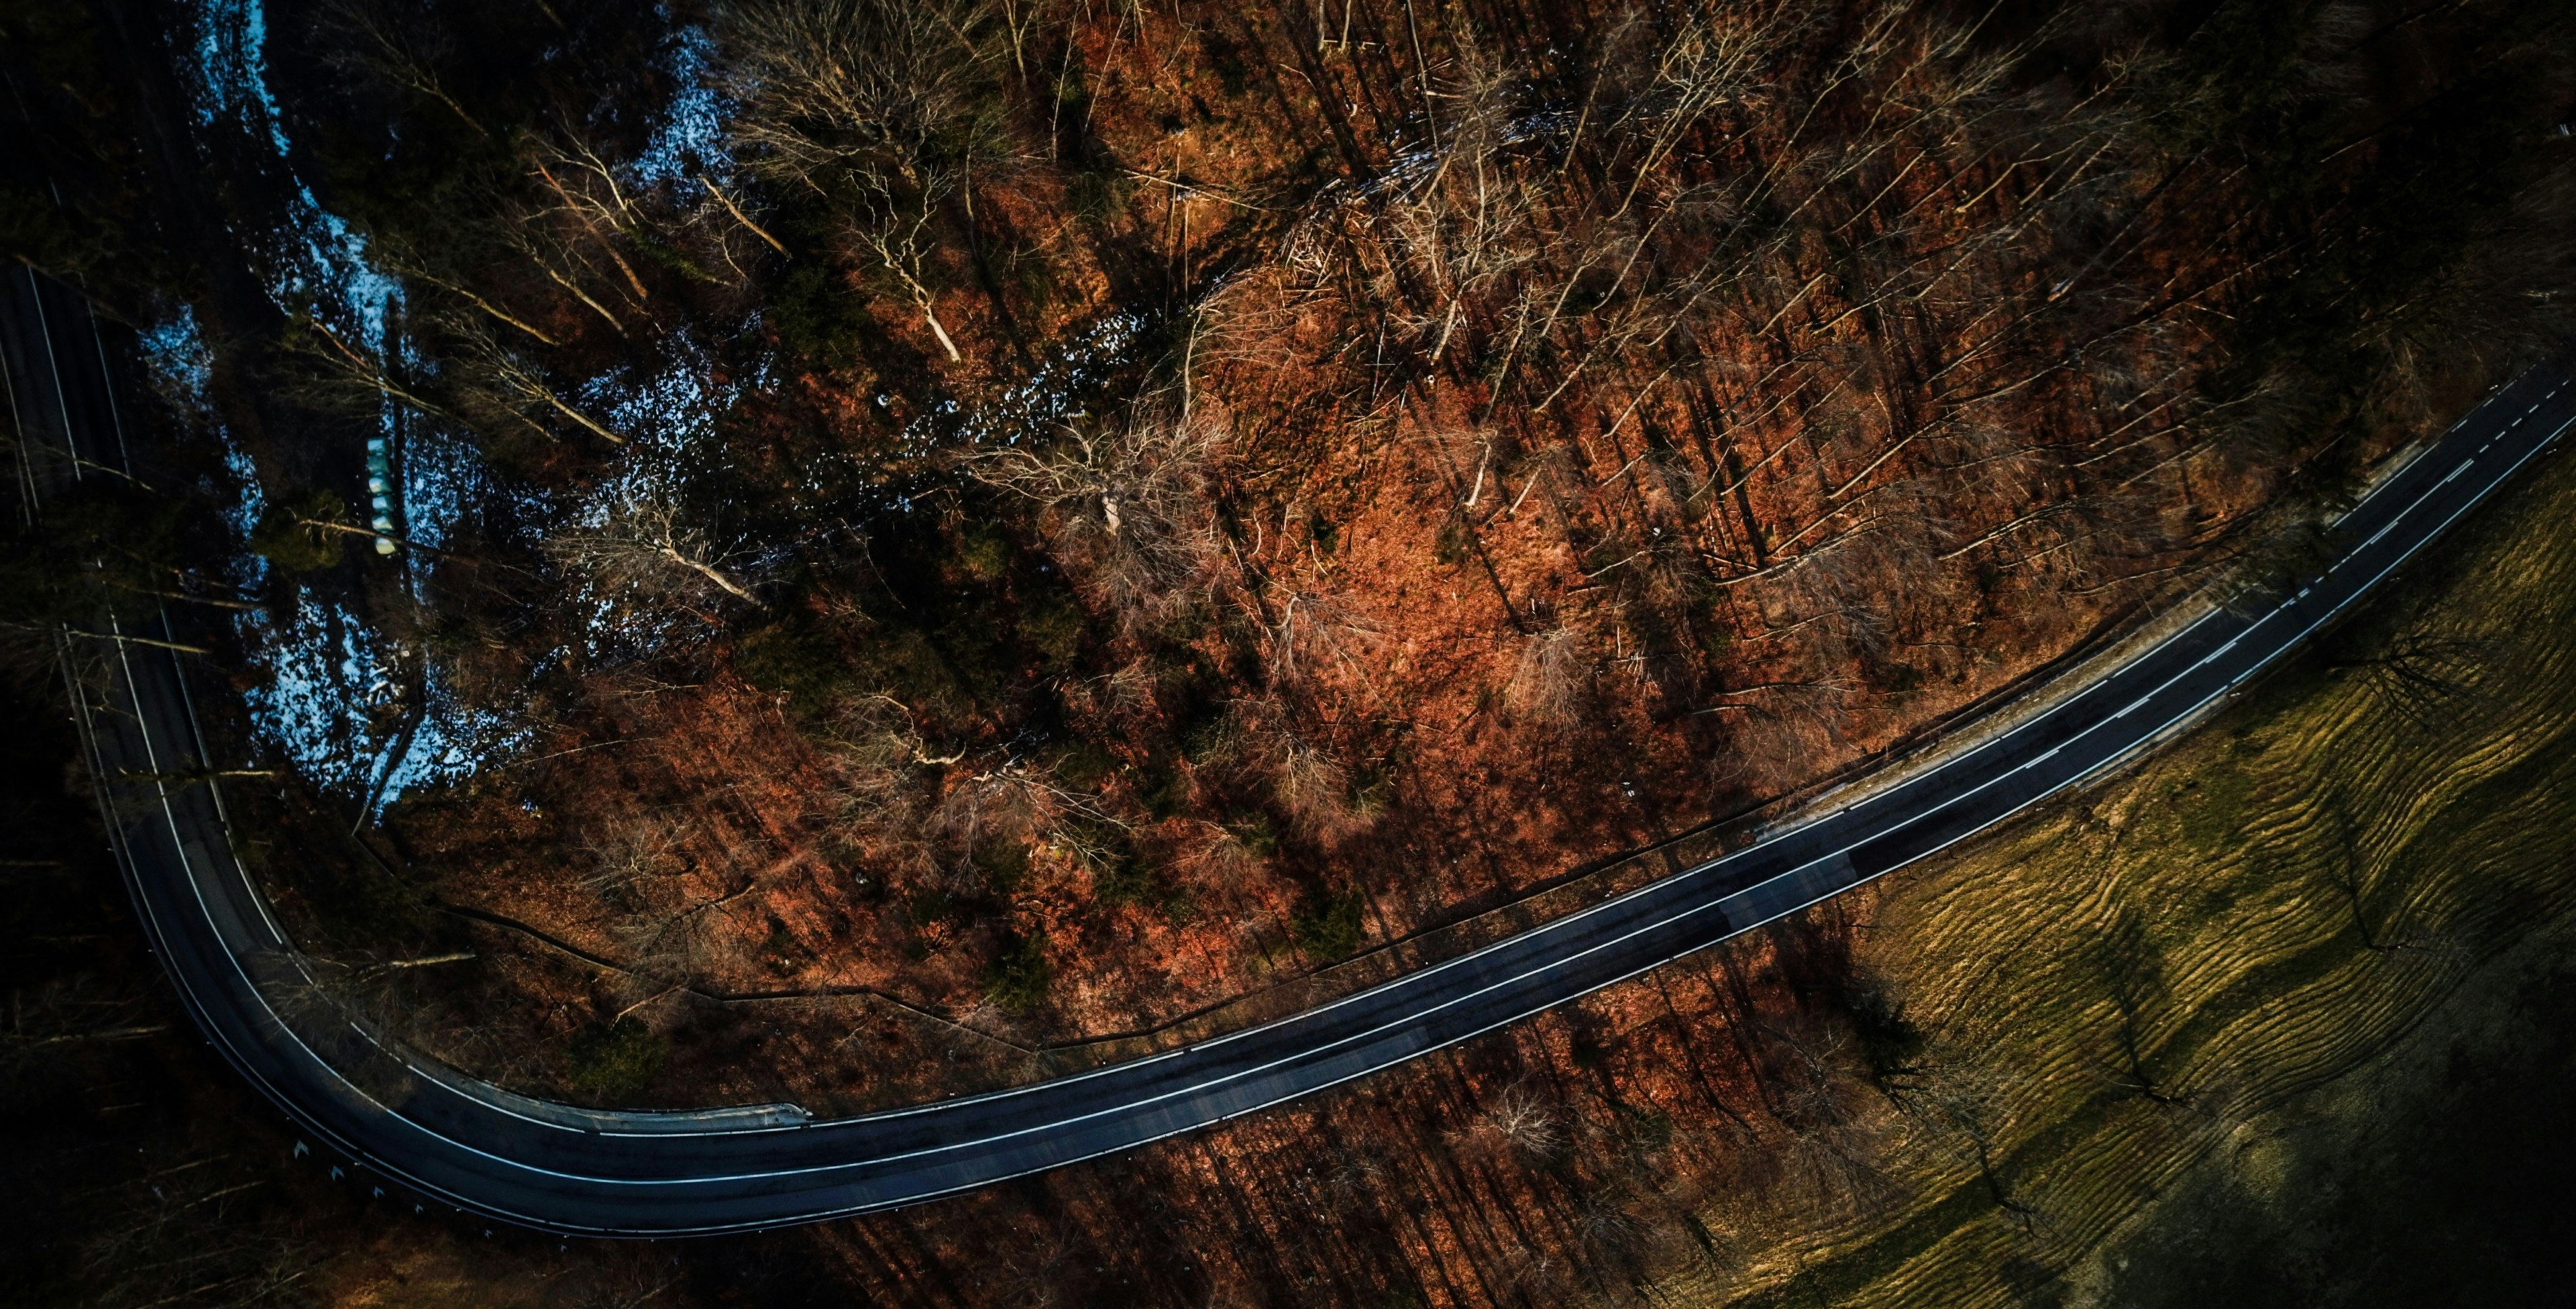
x: 452, y: 1139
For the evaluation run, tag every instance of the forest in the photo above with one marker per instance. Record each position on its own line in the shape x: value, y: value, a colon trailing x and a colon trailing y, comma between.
x: 849, y: 550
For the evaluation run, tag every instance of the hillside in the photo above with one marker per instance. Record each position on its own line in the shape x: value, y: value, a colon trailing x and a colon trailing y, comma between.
x: 850, y: 550
x: 1051, y: 523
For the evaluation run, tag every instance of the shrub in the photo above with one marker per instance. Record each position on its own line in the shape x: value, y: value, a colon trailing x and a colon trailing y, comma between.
x: 1257, y: 835
x: 1052, y: 622
x: 1097, y: 193
x: 1455, y: 542
x: 1004, y: 863
x: 1162, y: 787
x: 1017, y: 980
x: 369, y: 909
x: 817, y: 316
x: 791, y: 659
x: 1890, y: 1040
x: 1122, y: 880
x: 984, y: 551
x: 1084, y: 763
x: 1328, y: 927
x: 286, y: 537
x: 612, y: 1061
x: 906, y: 665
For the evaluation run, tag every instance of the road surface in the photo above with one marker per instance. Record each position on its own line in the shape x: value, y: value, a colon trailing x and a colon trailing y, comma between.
x: 451, y: 1139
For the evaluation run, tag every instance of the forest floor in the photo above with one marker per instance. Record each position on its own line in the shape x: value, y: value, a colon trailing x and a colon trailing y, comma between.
x: 1344, y: 524
x: 2279, y: 1014
x: 1416, y: 554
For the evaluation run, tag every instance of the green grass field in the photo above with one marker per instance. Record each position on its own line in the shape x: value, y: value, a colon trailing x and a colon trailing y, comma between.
x: 2179, y: 1048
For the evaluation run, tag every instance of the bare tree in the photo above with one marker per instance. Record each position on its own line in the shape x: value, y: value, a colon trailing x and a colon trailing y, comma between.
x: 61, y: 1013
x: 1015, y: 808
x: 1517, y: 1120
x: 192, y: 1231
x: 661, y: 921
x: 1309, y: 626
x: 366, y: 40
x: 1311, y: 785
x: 500, y: 383
x: 886, y: 106
x: 641, y: 552
x: 832, y: 86
x: 895, y: 233
x: 1548, y: 684
x: 1129, y: 508
x: 635, y: 857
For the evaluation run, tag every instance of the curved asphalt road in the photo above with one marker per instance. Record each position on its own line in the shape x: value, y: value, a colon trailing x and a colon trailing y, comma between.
x: 453, y: 1139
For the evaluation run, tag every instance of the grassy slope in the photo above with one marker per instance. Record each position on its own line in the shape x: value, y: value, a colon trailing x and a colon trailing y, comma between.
x: 2173, y: 983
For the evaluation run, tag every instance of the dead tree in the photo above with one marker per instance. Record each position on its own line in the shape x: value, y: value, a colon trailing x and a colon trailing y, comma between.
x: 887, y: 108
x: 641, y: 551
x: 1128, y: 506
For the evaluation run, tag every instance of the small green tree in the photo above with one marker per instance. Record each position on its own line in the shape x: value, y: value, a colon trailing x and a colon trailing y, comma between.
x: 612, y: 1061
x: 1328, y: 927
x: 300, y: 533
x: 1018, y: 979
